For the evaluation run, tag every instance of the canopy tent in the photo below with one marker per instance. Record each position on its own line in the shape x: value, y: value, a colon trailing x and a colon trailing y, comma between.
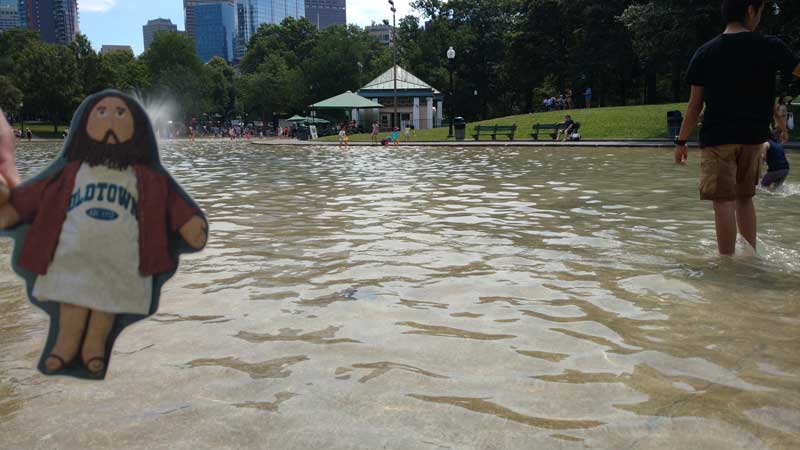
x: 309, y: 120
x: 346, y: 101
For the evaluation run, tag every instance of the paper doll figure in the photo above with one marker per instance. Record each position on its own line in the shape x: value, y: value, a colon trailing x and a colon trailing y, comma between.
x: 99, y: 232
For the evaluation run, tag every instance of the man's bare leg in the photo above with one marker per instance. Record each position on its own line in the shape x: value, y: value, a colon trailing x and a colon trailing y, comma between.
x: 71, y: 323
x: 94, y: 345
x: 725, y: 218
x: 747, y: 220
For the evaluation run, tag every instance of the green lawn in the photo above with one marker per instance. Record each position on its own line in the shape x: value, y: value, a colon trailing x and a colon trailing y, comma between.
x: 630, y: 122
x: 43, y: 130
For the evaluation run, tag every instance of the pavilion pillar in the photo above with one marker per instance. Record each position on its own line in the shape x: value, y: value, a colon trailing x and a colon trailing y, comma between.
x: 429, y: 116
x: 415, y: 113
x: 439, y: 111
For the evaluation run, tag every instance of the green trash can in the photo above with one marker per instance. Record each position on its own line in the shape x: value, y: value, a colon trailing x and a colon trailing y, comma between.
x: 460, y: 128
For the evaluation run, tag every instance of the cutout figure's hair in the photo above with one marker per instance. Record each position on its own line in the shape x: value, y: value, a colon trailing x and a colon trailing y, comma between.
x: 736, y: 10
x: 116, y: 156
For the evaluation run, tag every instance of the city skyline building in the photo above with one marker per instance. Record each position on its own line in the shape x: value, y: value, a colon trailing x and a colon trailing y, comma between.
x: 326, y: 13
x: 106, y: 49
x: 251, y: 14
x: 9, y: 16
x: 154, y: 26
x: 189, y: 16
x: 381, y: 32
x: 215, y: 31
x: 56, y: 21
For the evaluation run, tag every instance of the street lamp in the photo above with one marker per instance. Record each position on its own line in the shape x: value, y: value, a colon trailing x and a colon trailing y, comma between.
x: 394, y: 57
x: 21, y: 119
x: 451, y: 65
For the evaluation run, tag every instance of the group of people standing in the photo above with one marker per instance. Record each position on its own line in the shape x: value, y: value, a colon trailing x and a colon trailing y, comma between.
x: 565, y: 101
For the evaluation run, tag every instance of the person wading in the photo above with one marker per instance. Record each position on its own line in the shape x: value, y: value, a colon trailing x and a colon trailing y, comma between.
x: 734, y: 75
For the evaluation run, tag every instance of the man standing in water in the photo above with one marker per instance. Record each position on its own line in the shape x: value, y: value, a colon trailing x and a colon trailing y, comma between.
x: 734, y: 74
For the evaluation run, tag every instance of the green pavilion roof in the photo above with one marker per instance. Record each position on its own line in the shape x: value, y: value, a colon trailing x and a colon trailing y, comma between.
x: 405, y: 81
x: 348, y: 100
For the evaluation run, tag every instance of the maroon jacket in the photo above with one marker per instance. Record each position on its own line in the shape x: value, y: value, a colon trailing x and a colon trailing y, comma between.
x: 44, y: 203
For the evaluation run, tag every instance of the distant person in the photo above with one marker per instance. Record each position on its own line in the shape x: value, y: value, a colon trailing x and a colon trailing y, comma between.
x: 569, y: 127
x: 734, y: 74
x: 778, y: 165
x: 29, y: 134
x: 782, y: 117
x: 396, y: 136
x: 375, y: 130
x: 587, y: 97
x: 407, y: 132
x: 343, y: 141
x: 191, y: 134
x: 568, y: 98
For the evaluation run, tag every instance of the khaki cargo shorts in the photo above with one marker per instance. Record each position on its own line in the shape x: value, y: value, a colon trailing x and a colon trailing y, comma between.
x: 730, y: 172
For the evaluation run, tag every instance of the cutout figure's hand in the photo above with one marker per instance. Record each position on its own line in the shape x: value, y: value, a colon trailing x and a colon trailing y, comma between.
x: 194, y: 232
x: 9, y: 177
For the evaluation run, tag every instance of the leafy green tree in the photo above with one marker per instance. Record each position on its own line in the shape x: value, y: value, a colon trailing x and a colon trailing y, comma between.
x: 49, y: 78
x: 120, y: 70
x: 222, y: 88
x: 89, y: 68
x: 176, y: 72
x: 10, y: 96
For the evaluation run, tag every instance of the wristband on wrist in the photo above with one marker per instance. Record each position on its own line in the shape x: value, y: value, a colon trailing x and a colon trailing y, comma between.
x: 680, y: 142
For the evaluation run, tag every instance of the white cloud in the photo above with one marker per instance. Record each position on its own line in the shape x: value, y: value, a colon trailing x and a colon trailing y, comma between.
x: 364, y: 12
x: 96, y: 5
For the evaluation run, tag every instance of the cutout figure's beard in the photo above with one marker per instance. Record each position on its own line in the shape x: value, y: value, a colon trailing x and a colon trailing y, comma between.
x: 114, y: 156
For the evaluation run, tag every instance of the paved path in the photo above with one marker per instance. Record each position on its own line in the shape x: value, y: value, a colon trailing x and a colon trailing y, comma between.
x: 471, y: 143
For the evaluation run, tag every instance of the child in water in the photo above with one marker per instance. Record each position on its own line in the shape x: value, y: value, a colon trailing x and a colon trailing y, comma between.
x: 396, y: 136
x: 778, y: 165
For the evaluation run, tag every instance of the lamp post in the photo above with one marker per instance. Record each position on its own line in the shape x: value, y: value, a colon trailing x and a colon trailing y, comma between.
x: 394, y: 58
x: 21, y: 119
x: 451, y: 65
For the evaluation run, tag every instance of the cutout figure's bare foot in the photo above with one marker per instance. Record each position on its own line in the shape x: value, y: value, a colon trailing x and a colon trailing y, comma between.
x: 94, y: 345
x: 71, y: 323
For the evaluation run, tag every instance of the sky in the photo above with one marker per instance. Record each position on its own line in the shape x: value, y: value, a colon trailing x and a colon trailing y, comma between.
x: 119, y: 22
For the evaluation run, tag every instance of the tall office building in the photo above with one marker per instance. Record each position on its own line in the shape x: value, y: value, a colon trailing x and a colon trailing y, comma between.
x: 189, y: 16
x: 56, y: 21
x: 325, y: 13
x: 155, y: 26
x: 9, y: 17
x: 215, y: 30
x: 251, y: 14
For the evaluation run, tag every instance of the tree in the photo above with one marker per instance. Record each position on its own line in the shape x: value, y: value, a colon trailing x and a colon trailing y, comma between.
x: 120, y: 70
x: 89, y: 68
x: 10, y: 96
x: 176, y: 73
x: 48, y: 76
x: 222, y: 88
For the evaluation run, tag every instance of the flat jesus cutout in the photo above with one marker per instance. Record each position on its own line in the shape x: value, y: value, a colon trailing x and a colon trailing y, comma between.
x: 99, y: 232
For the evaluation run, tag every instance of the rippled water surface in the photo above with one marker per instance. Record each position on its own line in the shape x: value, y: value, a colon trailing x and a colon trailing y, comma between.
x: 437, y: 299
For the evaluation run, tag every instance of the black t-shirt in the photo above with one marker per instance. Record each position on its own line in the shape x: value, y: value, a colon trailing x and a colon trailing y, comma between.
x: 737, y: 73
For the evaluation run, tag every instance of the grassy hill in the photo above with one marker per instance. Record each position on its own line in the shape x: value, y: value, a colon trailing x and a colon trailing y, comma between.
x: 627, y: 122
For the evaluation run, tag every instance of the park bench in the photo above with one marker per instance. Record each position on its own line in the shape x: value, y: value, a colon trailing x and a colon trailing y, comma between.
x: 494, y: 130
x: 546, y: 127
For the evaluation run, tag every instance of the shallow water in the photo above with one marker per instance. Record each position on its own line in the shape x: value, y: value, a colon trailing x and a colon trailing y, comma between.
x: 480, y: 298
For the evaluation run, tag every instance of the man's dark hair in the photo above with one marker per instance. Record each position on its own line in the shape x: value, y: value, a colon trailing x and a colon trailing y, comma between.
x: 116, y: 156
x: 736, y: 10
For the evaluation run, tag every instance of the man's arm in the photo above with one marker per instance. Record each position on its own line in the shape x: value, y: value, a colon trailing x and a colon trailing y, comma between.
x: 689, y: 123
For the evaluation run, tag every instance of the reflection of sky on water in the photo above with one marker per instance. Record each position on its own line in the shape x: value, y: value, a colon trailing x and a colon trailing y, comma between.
x: 433, y: 298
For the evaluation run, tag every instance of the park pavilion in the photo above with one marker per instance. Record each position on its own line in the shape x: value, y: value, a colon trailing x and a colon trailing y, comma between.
x: 418, y: 103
